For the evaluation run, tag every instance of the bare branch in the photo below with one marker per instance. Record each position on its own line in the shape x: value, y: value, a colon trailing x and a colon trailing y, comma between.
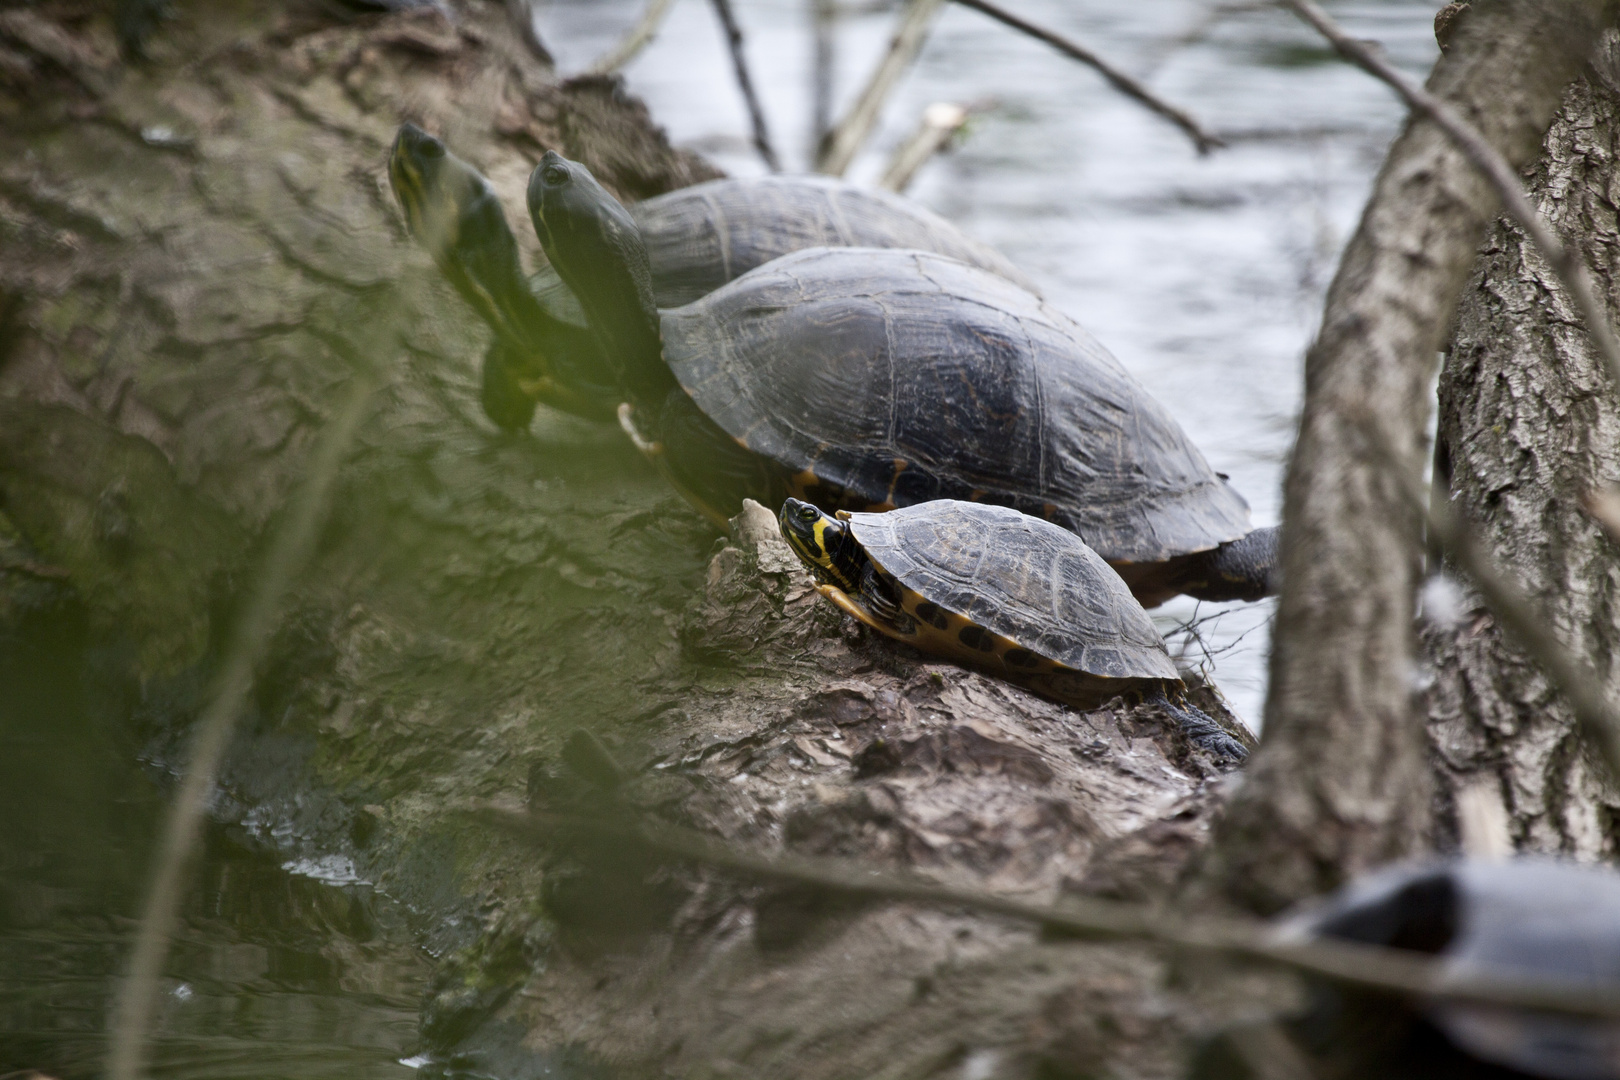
x: 1203, y: 139
x: 845, y: 140
x: 1340, y: 783
x: 940, y: 122
x: 756, y: 114
x: 1565, y: 261
x: 521, y: 13
x: 1371, y: 967
x: 639, y: 37
x: 823, y: 31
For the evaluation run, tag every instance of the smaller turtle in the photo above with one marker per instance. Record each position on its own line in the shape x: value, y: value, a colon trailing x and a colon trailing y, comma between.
x: 999, y: 590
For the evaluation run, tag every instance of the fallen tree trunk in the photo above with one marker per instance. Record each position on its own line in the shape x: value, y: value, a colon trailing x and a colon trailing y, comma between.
x: 201, y: 255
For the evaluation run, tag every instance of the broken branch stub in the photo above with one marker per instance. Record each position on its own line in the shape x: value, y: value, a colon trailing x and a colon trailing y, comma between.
x: 940, y: 123
x: 639, y: 37
x: 845, y: 140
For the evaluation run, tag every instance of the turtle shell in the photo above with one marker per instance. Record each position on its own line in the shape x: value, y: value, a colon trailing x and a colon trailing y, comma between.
x: 895, y: 377
x: 1020, y: 577
x: 698, y: 238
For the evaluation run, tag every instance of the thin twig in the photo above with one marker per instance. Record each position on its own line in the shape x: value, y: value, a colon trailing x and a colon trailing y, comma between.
x: 521, y: 14
x: 1598, y: 721
x: 846, y: 139
x: 640, y: 35
x: 756, y: 114
x: 1371, y: 967
x: 824, y: 33
x: 1198, y: 31
x: 289, y: 551
x: 1203, y: 139
x: 1565, y: 261
x: 940, y: 123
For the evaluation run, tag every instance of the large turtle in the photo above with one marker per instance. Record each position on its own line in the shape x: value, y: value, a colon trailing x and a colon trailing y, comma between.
x: 698, y: 238
x: 862, y: 379
x: 999, y: 590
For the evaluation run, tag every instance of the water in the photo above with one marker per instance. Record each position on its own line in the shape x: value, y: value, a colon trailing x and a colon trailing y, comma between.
x: 276, y: 972
x: 1204, y: 276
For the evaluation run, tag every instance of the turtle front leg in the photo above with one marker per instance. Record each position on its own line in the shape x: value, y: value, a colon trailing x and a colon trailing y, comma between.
x: 508, y: 401
x: 845, y: 603
x: 627, y: 420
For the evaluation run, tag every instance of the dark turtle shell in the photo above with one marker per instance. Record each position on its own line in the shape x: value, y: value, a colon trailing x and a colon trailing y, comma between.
x: 1020, y: 577
x: 698, y: 238
x: 895, y: 377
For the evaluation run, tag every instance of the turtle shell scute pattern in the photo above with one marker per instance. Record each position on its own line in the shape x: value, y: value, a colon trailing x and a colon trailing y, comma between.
x: 700, y: 237
x: 899, y: 377
x: 1020, y: 577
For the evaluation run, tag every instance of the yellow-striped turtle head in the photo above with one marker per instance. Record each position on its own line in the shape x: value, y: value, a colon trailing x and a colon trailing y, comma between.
x: 455, y: 214
x: 823, y: 544
x: 447, y: 203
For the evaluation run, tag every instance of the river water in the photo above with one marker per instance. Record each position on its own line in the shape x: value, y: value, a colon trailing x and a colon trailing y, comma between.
x: 1204, y: 275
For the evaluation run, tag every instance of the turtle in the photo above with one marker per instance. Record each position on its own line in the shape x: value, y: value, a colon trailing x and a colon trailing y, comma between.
x: 1535, y: 919
x: 698, y: 238
x: 542, y: 350
x: 999, y: 590
x: 867, y: 379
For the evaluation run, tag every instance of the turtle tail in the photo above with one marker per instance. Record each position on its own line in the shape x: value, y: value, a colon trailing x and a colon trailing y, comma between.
x: 1199, y: 726
x: 1243, y: 569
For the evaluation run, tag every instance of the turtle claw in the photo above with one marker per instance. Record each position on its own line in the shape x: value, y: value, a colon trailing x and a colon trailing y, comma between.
x: 1220, y: 744
x: 627, y: 421
x: 1201, y: 730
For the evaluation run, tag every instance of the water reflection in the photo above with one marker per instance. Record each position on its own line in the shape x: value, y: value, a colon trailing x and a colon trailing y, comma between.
x: 274, y: 973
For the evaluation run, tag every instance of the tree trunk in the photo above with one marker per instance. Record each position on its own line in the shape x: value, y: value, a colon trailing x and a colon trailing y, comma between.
x: 1529, y: 425
x: 1338, y: 786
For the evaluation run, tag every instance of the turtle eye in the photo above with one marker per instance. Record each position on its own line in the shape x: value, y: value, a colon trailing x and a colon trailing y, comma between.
x: 808, y: 513
x: 432, y: 148
x: 555, y: 175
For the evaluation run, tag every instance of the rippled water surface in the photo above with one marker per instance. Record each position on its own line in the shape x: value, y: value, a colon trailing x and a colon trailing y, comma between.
x: 281, y: 970
x: 1205, y: 276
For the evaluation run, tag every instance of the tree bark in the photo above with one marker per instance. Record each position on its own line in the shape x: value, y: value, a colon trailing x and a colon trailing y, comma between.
x: 1340, y: 783
x: 1529, y: 425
